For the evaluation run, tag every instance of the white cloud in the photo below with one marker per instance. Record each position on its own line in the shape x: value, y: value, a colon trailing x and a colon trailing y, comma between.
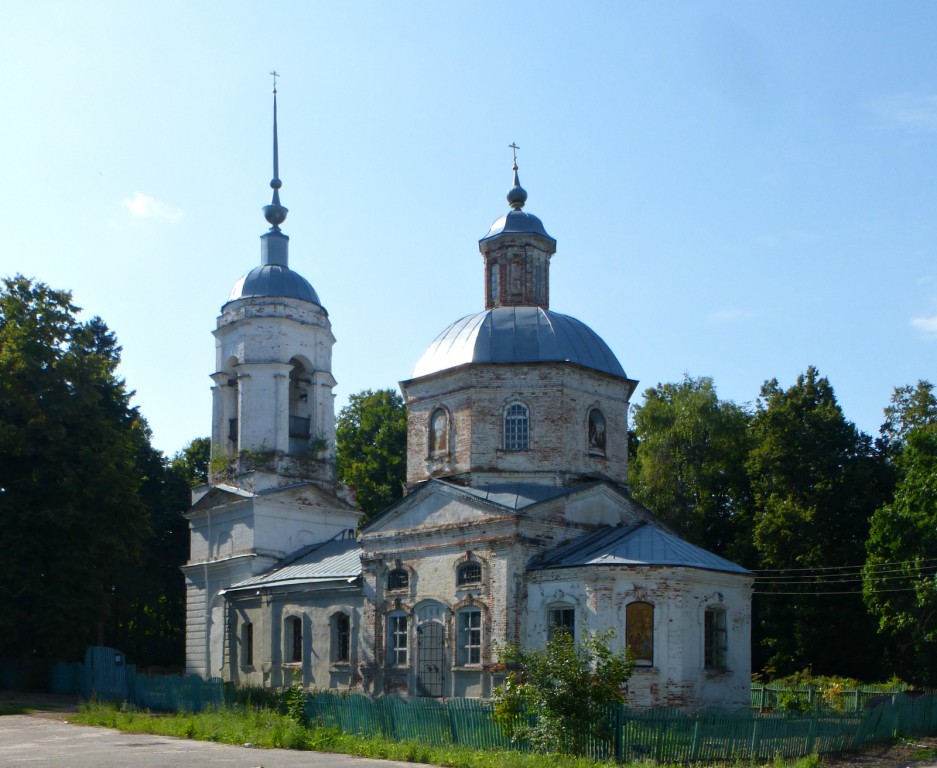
x: 145, y: 207
x: 908, y: 110
x: 926, y: 325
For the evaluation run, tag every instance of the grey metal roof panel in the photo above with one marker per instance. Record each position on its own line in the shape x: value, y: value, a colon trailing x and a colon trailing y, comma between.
x: 518, y: 335
x: 338, y: 559
x: 517, y: 223
x: 517, y: 495
x: 638, y: 544
x: 273, y: 280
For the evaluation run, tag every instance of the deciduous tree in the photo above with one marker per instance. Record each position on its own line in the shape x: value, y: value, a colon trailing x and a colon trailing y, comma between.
x: 371, y: 448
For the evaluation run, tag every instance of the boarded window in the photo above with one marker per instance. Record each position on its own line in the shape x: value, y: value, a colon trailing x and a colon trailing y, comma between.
x: 342, y: 638
x: 639, y: 631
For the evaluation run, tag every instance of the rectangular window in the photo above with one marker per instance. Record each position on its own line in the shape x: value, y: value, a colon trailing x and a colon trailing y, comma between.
x: 715, y: 638
x: 469, y: 573
x: 294, y: 640
x: 342, y: 638
x: 247, y: 644
x: 639, y: 633
x: 561, y: 619
x: 516, y: 428
x: 470, y: 637
x: 397, y: 641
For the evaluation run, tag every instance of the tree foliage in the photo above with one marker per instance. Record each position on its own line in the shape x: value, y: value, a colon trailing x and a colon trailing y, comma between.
x: 816, y: 481
x: 93, y: 533
x: 557, y: 698
x: 371, y: 448
x: 690, y: 465
x: 910, y: 407
x: 899, y: 575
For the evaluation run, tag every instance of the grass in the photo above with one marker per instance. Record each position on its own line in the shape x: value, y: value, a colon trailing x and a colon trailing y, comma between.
x: 267, y: 729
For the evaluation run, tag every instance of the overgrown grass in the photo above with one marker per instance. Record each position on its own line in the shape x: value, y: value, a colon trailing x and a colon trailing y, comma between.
x: 264, y: 728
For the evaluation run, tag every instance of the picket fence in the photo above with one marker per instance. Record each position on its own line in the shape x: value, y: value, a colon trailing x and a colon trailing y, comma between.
x: 661, y: 735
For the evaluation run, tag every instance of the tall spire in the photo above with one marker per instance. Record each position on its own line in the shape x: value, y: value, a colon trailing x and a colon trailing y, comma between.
x: 518, y: 195
x: 275, y: 213
x: 274, y: 245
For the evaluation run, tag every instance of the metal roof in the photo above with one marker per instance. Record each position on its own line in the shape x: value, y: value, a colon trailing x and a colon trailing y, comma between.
x: 335, y: 560
x: 517, y: 223
x: 637, y: 544
x: 518, y: 335
x: 517, y: 495
x: 273, y: 280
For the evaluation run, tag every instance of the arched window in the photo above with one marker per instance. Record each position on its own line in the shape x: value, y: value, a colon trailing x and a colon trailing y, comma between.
x: 639, y: 633
x: 397, y: 637
x: 293, y: 640
x: 398, y: 578
x: 494, y: 283
x: 469, y: 637
x: 561, y: 618
x: 469, y: 574
x: 439, y: 433
x: 516, y: 428
x: 300, y: 425
x: 596, y: 432
x: 341, y: 638
x: 715, y: 638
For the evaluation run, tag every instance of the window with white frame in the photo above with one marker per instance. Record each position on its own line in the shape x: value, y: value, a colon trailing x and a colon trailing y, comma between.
x: 516, y: 428
x: 715, y: 638
x: 397, y: 640
x: 293, y: 640
x: 561, y: 618
x: 469, y: 636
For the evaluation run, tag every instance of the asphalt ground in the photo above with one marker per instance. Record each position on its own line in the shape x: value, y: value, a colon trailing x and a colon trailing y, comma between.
x: 27, y: 741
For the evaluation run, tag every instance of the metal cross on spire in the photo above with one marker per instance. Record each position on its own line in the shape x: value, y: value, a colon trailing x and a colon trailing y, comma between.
x: 513, y: 147
x: 275, y: 76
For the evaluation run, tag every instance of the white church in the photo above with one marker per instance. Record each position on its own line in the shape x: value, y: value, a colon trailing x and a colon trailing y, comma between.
x: 517, y: 518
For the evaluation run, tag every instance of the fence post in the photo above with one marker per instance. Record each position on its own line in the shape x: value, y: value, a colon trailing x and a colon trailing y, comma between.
x: 619, y: 727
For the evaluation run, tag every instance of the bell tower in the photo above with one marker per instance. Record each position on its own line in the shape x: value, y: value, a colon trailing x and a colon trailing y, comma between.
x: 273, y: 407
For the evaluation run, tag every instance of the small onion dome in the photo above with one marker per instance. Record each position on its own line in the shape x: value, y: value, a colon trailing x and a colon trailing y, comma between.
x: 273, y: 280
x: 518, y: 195
x: 518, y: 335
x: 516, y: 221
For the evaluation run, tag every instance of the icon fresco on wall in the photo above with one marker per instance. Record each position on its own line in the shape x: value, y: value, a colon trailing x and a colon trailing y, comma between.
x: 596, y: 431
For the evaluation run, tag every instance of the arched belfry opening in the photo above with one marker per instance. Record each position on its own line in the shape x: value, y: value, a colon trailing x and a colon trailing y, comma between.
x: 301, y: 407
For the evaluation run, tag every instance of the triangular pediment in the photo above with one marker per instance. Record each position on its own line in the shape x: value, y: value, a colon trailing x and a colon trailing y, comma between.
x: 435, y: 505
x: 303, y: 494
x: 594, y: 504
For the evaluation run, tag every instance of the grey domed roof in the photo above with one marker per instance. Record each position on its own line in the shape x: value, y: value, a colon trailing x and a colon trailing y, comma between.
x: 517, y: 222
x: 518, y: 335
x: 273, y: 280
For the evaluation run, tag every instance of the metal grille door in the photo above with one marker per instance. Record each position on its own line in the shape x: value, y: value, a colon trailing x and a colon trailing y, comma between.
x: 430, y: 659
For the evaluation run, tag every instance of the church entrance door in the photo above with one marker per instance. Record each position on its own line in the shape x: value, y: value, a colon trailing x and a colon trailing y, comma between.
x: 430, y: 652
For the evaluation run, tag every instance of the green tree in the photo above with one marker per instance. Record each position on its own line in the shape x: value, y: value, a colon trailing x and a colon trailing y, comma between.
x: 70, y: 512
x: 371, y: 448
x: 558, y: 698
x: 899, y: 581
x: 909, y: 408
x: 816, y: 481
x: 689, y: 466
x: 193, y: 460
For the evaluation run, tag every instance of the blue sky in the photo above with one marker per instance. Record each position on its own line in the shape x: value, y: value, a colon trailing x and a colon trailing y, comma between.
x: 738, y: 189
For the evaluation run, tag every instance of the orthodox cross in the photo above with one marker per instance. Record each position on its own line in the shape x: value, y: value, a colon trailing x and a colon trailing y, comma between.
x: 513, y: 146
x: 275, y: 76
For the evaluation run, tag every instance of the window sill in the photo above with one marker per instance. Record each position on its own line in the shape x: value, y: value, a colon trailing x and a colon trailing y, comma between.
x: 340, y: 666
x: 468, y: 667
x: 292, y: 665
x: 248, y: 668
x: 645, y: 668
x: 715, y: 672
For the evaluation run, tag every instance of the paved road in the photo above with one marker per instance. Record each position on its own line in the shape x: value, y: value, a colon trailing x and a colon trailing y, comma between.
x: 27, y: 741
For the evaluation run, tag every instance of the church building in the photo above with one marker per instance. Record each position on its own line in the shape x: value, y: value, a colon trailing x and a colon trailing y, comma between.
x: 517, y: 520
